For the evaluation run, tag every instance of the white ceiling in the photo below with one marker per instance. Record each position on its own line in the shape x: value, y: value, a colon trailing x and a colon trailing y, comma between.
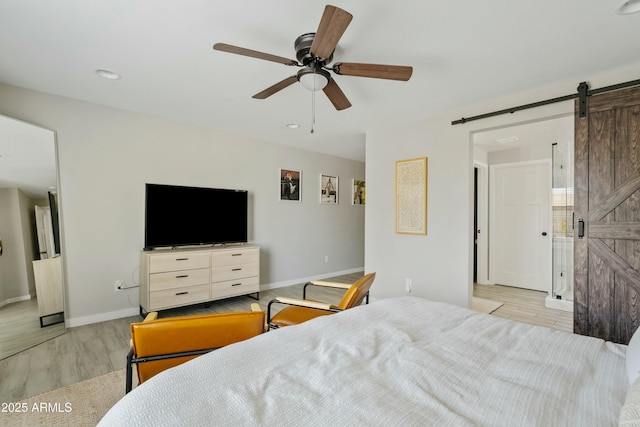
x: 463, y: 52
x: 546, y: 132
x: 27, y: 157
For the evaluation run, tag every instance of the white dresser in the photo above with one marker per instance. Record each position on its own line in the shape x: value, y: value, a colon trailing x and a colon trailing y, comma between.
x: 48, y: 278
x: 179, y: 277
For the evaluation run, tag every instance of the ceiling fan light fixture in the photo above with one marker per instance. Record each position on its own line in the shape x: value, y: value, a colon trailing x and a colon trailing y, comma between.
x: 313, y: 79
x: 629, y: 7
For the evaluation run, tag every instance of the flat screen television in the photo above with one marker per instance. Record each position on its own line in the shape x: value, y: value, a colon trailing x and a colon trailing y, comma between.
x: 186, y: 216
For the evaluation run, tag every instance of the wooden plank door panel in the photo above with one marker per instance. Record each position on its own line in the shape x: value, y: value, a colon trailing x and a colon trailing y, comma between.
x: 607, y: 194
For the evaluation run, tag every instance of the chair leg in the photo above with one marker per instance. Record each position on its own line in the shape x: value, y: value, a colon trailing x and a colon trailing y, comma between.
x: 129, y: 379
x: 304, y: 290
x: 268, y: 318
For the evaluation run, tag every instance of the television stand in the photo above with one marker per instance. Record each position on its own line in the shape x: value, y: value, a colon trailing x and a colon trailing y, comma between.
x: 180, y: 277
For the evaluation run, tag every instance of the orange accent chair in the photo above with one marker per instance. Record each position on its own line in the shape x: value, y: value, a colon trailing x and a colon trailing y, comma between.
x: 301, y: 310
x: 159, y: 344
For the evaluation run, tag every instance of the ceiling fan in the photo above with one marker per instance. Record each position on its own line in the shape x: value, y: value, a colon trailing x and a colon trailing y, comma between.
x: 314, y: 52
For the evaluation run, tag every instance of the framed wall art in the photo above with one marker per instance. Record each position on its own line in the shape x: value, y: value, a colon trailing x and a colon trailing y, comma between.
x: 359, y: 192
x: 411, y: 196
x: 329, y: 189
x: 290, y: 184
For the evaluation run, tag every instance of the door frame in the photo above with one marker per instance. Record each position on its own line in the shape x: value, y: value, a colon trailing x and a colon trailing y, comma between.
x: 481, y: 266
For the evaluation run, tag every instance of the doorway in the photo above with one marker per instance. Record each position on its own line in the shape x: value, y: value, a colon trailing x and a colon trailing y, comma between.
x: 521, y: 143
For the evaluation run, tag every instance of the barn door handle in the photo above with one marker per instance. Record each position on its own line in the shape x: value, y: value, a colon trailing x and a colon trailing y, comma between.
x: 580, y: 228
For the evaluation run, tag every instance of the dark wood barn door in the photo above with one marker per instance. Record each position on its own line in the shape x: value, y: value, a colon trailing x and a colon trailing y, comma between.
x: 607, y: 200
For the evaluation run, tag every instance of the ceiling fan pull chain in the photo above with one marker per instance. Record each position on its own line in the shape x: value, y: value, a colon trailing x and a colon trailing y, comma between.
x: 313, y: 104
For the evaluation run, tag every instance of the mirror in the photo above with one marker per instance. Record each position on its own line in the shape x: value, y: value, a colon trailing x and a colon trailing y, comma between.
x: 31, y: 294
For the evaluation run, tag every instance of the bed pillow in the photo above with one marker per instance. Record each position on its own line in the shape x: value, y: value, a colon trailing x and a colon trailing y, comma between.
x: 633, y: 357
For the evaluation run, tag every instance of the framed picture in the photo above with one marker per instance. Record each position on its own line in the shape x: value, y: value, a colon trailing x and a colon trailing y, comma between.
x: 411, y: 196
x: 290, y: 184
x: 329, y: 189
x: 359, y: 192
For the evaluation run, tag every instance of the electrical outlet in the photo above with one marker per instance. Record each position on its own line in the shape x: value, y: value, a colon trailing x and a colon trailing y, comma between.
x: 408, y: 285
x: 118, y: 286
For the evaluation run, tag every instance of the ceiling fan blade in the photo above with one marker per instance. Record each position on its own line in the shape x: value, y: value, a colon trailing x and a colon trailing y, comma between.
x: 332, y: 26
x: 336, y: 96
x: 254, y: 54
x: 376, y: 71
x: 276, y: 88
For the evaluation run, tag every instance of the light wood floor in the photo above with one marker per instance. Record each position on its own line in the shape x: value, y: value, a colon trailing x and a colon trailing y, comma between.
x: 525, y: 306
x: 88, y: 351
x: 20, y: 327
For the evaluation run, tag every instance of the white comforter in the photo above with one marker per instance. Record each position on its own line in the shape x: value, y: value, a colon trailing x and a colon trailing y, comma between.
x: 403, y: 361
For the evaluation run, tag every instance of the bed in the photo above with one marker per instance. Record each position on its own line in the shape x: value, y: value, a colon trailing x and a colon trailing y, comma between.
x: 400, y: 361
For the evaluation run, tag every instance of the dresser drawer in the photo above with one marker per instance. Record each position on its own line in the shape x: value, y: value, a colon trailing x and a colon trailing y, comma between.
x: 234, y: 257
x: 235, y: 287
x: 179, y: 297
x: 229, y: 272
x: 178, y: 261
x: 178, y: 279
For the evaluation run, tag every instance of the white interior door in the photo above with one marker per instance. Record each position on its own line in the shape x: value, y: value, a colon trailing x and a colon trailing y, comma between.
x: 521, y: 225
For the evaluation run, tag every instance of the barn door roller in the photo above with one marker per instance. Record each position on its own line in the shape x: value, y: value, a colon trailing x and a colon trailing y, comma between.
x: 583, y: 92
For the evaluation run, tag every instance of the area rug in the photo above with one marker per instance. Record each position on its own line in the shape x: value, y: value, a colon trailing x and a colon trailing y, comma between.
x: 79, y: 405
x: 485, y: 305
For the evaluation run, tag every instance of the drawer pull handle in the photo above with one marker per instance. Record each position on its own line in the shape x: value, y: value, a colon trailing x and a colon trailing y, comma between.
x: 182, y: 259
x: 236, y: 269
x: 182, y: 277
x: 236, y: 254
x: 182, y: 293
x: 236, y: 284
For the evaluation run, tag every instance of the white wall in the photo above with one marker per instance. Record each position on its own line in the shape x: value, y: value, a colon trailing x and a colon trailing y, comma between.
x: 440, y: 263
x: 16, y: 278
x: 524, y: 154
x: 107, y: 155
x: 29, y: 239
x: 433, y: 262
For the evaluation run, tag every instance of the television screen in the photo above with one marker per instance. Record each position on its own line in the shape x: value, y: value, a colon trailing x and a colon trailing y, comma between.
x: 182, y: 216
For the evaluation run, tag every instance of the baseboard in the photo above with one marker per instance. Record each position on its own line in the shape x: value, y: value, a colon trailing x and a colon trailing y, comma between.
x: 276, y: 285
x: 558, y: 304
x: 134, y: 311
x: 16, y: 299
x: 102, y: 317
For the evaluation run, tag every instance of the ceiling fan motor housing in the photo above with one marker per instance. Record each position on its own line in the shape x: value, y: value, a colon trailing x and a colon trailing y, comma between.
x: 303, y: 51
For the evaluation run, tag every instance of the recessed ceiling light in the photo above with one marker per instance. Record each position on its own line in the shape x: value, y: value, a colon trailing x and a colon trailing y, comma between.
x: 629, y: 7
x: 293, y: 126
x: 508, y: 140
x: 107, y: 74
